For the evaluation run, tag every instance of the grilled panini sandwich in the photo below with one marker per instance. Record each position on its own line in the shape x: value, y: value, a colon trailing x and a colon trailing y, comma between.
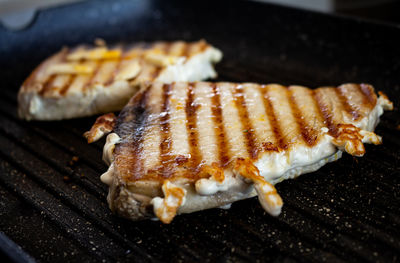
x: 183, y: 147
x: 89, y: 80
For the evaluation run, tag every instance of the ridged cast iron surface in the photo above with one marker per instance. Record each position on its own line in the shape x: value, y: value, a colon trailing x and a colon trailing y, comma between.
x: 55, y: 208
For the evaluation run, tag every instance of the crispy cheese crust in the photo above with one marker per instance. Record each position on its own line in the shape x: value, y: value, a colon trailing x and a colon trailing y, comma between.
x: 183, y: 147
x: 84, y: 81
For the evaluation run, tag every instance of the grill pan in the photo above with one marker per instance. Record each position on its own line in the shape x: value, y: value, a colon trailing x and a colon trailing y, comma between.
x: 53, y: 208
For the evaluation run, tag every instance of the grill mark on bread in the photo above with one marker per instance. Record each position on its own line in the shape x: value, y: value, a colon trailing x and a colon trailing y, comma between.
x: 268, y: 146
x: 219, y: 129
x: 306, y: 132
x: 192, y: 49
x: 33, y: 76
x: 46, y: 86
x: 67, y: 84
x: 90, y: 80
x: 181, y: 50
x: 191, y: 126
x: 130, y: 127
x: 365, y: 101
x: 186, y: 49
x: 258, y: 117
x: 248, y: 130
x: 48, y: 83
x: 346, y: 104
x: 203, y: 46
x: 207, y: 138
x: 369, y: 94
x: 166, y: 140
x: 155, y: 72
x: 117, y: 67
x: 325, y: 113
x: 167, y: 48
x: 115, y: 72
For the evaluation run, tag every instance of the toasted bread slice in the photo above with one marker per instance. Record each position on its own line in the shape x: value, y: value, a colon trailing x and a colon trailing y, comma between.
x: 90, y: 80
x: 183, y: 147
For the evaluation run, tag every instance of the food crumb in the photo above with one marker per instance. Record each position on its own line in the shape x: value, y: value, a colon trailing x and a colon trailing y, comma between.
x: 66, y: 179
x: 73, y: 160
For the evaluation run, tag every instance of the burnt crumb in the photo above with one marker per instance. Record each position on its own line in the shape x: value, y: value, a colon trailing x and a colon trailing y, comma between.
x: 73, y: 161
x: 67, y: 179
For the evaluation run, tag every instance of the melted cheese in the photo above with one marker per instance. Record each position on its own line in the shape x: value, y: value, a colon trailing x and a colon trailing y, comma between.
x: 96, y: 53
x: 267, y: 194
x: 107, y: 177
x: 130, y: 71
x: 211, y: 185
x: 163, y: 60
x: 70, y: 68
x: 166, y: 208
x: 109, y: 146
x: 199, y: 66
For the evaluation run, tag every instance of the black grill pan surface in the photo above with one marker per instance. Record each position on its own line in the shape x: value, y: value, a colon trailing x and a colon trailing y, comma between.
x: 54, y: 209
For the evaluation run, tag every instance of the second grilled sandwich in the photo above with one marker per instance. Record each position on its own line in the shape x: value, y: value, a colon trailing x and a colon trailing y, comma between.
x: 84, y: 81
